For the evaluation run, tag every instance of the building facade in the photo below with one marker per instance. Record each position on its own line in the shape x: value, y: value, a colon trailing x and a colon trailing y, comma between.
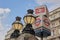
x: 7, y: 36
x: 54, y: 17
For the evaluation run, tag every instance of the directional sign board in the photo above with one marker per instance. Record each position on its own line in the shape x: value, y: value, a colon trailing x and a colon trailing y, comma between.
x: 38, y: 21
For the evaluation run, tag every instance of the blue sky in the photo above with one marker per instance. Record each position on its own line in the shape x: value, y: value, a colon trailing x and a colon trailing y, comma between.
x: 9, y: 9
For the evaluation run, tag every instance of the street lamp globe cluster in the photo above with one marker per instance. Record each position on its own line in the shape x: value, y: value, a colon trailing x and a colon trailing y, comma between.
x: 29, y: 19
x: 17, y: 26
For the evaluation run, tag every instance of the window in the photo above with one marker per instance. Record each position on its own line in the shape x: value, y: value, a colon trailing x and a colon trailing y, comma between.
x: 53, y: 17
x: 59, y: 21
x: 53, y: 24
x: 52, y: 32
x: 53, y: 39
x: 58, y: 14
x: 59, y: 37
x: 59, y: 31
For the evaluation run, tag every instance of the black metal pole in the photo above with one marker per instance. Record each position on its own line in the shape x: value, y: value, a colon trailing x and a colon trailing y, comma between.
x: 41, y: 36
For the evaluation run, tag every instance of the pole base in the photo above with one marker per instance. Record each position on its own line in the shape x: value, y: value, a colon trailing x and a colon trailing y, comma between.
x: 46, y: 32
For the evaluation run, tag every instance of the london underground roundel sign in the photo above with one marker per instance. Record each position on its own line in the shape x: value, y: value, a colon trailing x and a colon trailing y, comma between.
x: 38, y: 21
x: 46, y: 22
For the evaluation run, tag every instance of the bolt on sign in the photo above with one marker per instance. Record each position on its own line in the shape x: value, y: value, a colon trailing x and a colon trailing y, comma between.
x: 42, y: 19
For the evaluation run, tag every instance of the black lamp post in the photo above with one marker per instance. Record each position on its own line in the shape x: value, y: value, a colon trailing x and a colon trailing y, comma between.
x: 17, y: 27
x: 29, y: 19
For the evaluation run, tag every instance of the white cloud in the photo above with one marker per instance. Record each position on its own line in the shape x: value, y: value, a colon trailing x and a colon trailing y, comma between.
x: 4, y: 12
x: 47, y: 1
x: 54, y: 7
x: 7, y: 10
x: 3, y: 29
x: 52, y: 4
x: 1, y: 26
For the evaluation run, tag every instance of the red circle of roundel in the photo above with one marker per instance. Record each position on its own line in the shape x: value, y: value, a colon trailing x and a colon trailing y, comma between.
x: 37, y: 23
x: 46, y: 22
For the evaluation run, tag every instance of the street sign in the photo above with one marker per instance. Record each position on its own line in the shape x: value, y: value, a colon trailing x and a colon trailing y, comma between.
x: 38, y: 21
x: 46, y: 21
x: 41, y: 20
x: 42, y: 24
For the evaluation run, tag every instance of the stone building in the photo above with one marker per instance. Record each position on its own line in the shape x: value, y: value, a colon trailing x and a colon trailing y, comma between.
x: 7, y: 36
x: 54, y: 17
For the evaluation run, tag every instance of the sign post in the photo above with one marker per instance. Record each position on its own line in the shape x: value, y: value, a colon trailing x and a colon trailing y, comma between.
x: 42, y: 23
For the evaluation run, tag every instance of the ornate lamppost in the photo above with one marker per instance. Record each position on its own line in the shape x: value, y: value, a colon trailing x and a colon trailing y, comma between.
x: 29, y: 19
x: 17, y: 27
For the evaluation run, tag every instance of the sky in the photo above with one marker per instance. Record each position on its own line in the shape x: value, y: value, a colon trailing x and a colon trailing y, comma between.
x: 9, y: 9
